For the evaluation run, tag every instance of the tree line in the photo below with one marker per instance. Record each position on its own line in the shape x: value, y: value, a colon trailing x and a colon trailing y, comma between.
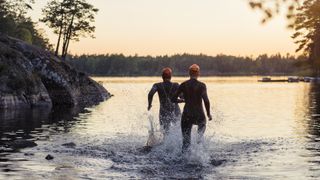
x: 120, y: 65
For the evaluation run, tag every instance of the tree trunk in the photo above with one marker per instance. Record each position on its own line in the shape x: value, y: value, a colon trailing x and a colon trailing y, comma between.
x: 67, y: 38
x: 58, y: 44
x: 68, y: 42
x: 60, y: 34
x: 64, y: 45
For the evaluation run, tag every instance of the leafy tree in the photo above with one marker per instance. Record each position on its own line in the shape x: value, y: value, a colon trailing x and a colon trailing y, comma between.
x: 304, y: 19
x: 16, y: 8
x: 8, y: 25
x: 24, y: 34
x: 55, y: 18
x: 271, y: 8
x: 14, y: 22
x: 70, y: 20
x: 307, y: 31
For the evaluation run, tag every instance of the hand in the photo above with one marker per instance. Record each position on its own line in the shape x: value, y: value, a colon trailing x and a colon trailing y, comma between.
x: 149, y: 107
x: 210, y: 117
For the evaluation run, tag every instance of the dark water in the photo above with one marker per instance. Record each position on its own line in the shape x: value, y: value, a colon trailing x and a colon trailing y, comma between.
x: 260, y: 131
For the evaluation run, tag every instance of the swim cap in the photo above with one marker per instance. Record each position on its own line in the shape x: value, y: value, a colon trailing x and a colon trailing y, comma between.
x: 194, y: 70
x: 166, y: 73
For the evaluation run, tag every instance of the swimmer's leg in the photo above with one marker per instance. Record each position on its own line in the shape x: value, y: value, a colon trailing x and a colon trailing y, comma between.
x: 201, y: 130
x: 186, y: 128
x: 165, y: 125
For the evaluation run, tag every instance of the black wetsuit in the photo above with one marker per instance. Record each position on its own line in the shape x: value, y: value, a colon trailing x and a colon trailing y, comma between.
x: 194, y: 92
x: 169, y: 112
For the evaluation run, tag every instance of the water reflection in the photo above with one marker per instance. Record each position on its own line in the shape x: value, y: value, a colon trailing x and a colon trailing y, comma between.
x: 34, y: 124
x: 313, y: 137
x: 314, y: 112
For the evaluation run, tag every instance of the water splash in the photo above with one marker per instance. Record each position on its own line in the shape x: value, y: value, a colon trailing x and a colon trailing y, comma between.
x: 170, y: 147
x: 155, y: 135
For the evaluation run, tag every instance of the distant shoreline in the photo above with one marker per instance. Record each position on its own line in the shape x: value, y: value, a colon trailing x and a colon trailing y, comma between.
x: 223, y: 65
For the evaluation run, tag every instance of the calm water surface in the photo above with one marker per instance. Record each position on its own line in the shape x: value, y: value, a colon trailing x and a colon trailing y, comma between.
x: 259, y: 131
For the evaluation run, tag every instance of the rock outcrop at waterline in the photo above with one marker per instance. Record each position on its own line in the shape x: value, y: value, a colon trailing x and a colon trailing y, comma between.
x: 31, y: 77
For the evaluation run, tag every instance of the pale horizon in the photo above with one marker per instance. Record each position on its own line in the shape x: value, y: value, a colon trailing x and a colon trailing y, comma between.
x: 168, y: 27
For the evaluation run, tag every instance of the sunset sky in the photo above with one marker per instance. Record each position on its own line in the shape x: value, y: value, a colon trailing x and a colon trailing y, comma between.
x: 159, y: 27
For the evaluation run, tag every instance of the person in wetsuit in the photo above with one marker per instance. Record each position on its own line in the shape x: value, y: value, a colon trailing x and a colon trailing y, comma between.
x: 194, y: 93
x: 169, y: 111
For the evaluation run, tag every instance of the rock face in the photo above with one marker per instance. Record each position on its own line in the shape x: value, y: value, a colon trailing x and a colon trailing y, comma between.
x: 30, y: 77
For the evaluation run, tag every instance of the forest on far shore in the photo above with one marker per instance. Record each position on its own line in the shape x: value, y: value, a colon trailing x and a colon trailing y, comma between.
x: 220, y: 65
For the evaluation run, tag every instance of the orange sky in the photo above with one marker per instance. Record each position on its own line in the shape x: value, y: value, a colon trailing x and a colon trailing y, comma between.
x: 159, y: 27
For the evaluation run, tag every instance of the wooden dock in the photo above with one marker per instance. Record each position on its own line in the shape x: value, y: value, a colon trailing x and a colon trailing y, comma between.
x: 274, y: 80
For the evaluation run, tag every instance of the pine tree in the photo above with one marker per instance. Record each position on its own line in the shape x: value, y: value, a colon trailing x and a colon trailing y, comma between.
x: 304, y: 19
x: 70, y: 20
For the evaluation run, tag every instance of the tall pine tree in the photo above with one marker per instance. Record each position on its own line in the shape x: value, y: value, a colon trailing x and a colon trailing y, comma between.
x: 70, y: 20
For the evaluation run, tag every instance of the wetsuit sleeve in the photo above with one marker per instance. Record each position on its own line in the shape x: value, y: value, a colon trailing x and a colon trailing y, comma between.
x: 153, y: 90
x: 175, y: 96
x: 206, y: 99
x: 181, y: 94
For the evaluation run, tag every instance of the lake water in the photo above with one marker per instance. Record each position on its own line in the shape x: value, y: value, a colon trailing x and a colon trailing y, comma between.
x: 259, y: 131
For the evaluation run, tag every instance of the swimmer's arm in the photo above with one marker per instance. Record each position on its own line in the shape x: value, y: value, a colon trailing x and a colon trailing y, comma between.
x: 174, y: 98
x: 181, y: 98
x: 150, y: 96
x: 206, y: 102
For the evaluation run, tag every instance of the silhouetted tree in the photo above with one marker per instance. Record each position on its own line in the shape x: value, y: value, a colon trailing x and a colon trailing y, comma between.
x: 14, y: 22
x: 70, y: 20
x: 15, y: 8
x: 273, y: 7
x: 304, y: 19
x: 307, y: 27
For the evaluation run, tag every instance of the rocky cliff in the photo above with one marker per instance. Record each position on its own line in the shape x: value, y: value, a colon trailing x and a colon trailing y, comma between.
x: 31, y: 77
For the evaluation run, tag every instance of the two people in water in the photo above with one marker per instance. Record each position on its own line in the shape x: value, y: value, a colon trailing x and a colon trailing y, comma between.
x: 191, y: 92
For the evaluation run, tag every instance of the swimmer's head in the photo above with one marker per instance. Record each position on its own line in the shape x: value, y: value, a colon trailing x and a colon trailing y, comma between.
x: 166, y: 73
x: 194, y: 71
